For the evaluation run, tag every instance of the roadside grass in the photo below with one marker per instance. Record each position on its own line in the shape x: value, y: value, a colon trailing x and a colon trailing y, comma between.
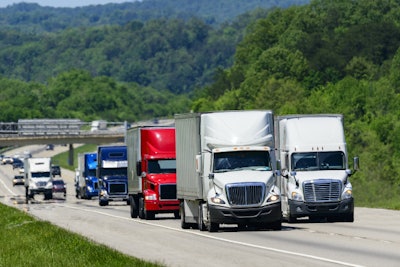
x: 25, y: 241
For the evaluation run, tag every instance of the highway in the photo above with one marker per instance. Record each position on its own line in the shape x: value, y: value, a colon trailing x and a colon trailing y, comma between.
x: 372, y: 240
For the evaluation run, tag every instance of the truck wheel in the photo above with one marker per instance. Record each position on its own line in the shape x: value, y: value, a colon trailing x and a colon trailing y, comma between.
x: 176, y: 214
x: 141, y: 209
x: 134, y: 208
x: 211, y: 226
x: 103, y: 203
x: 149, y: 215
x: 201, y: 225
x: 277, y: 226
x: 184, y: 225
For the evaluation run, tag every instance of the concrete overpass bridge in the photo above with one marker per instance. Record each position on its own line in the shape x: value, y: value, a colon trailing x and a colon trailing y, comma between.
x: 67, y: 131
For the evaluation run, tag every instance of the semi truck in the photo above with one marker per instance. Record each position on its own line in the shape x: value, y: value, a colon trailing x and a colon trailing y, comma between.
x: 313, y: 158
x: 86, y: 182
x: 38, y: 178
x: 226, y: 170
x: 152, y: 171
x: 112, y: 172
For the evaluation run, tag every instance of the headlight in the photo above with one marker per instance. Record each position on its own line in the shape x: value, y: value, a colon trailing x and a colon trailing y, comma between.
x: 151, y: 197
x: 348, y: 193
x: 273, y: 198
x: 296, y: 196
x: 217, y: 200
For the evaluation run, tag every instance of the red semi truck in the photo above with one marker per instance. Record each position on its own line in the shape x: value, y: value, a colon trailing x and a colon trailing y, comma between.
x: 152, y: 171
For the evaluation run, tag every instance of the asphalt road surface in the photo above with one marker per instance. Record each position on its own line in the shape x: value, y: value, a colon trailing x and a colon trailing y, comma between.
x: 372, y: 240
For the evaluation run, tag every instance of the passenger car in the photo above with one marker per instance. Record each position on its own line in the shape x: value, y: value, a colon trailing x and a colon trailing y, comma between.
x: 18, y: 180
x: 17, y: 163
x: 50, y: 147
x: 59, y: 187
x: 7, y: 160
x: 55, y: 170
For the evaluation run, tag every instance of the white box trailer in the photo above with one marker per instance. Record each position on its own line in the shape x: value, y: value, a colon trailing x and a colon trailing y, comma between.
x: 311, y: 150
x: 226, y: 170
x: 38, y: 178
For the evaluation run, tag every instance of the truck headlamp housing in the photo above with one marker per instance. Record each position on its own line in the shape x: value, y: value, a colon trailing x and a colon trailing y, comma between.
x: 150, y: 197
x: 103, y: 193
x: 297, y: 196
x: 348, y: 193
x: 217, y: 200
x: 273, y: 198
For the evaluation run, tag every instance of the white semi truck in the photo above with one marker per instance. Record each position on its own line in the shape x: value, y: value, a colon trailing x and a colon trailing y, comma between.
x: 312, y: 154
x: 226, y: 170
x: 38, y: 178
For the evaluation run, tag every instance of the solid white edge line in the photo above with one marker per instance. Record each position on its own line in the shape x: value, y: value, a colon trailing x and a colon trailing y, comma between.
x: 222, y: 239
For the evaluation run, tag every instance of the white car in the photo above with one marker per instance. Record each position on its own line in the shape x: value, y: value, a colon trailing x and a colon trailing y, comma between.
x: 7, y: 160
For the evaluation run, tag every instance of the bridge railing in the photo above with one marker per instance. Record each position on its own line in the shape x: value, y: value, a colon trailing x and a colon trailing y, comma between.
x: 49, y: 127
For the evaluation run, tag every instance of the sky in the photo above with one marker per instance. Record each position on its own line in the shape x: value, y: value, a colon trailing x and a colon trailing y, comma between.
x: 63, y: 3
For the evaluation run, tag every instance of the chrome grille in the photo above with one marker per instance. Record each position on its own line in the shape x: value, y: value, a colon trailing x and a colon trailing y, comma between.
x: 168, y: 191
x: 245, y: 194
x: 41, y: 184
x: 322, y: 190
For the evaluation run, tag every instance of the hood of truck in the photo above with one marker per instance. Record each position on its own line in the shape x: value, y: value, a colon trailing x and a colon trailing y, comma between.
x: 311, y: 175
x: 162, y: 178
x: 242, y: 176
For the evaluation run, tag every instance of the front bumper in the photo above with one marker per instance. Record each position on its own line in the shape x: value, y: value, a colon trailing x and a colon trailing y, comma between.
x: 302, y: 209
x: 266, y: 214
x: 162, y: 206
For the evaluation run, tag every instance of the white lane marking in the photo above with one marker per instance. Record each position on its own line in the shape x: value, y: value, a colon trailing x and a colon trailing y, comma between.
x: 6, y: 187
x: 221, y: 239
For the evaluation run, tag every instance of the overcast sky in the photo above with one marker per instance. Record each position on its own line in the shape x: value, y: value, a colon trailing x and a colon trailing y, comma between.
x: 63, y: 3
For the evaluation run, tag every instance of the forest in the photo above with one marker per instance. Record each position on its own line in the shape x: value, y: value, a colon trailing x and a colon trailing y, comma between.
x: 328, y: 56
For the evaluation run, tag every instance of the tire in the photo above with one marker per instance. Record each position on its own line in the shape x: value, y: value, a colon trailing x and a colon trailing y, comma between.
x: 141, y: 209
x: 277, y: 226
x: 211, y: 226
x: 177, y: 215
x: 200, y: 221
x: 149, y: 215
x: 184, y: 225
x: 103, y: 203
x: 133, y: 208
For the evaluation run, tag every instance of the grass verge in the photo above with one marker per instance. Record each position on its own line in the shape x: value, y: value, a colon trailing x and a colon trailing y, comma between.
x: 25, y: 241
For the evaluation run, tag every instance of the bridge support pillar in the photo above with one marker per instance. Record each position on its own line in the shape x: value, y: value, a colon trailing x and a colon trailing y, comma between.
x: 71, y: 155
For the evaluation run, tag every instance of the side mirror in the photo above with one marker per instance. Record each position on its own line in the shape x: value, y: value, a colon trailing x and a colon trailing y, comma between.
x: 356, y: 163
x: 211, y: 176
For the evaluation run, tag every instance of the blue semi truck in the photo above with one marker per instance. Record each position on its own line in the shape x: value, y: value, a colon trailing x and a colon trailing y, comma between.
x: 112, y: 171
x: 86, y: 182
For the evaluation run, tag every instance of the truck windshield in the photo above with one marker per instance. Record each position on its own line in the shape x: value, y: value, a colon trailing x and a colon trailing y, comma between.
x: 162, y: 166
x: 40, y: 174
x: 242, y: 160
x: 311, y: 161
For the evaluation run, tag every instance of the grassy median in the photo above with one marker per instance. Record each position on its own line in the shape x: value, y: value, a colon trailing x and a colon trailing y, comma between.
x: 25, y: 241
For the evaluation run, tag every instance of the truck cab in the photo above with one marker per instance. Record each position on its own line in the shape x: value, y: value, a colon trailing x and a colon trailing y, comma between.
x: 112, y: 174
x: 152, y: 171
x: 315, y: 177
